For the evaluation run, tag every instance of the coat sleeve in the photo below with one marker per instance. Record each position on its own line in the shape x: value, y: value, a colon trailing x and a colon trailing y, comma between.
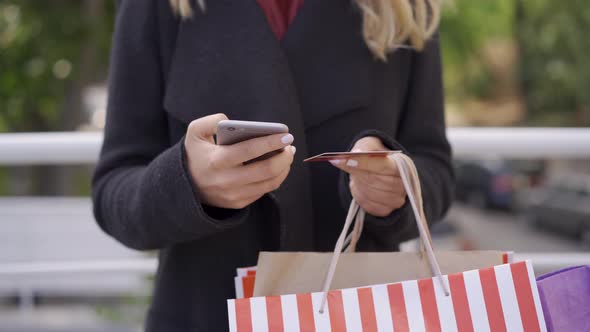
x: 422, y: 136
x: 142, y: 192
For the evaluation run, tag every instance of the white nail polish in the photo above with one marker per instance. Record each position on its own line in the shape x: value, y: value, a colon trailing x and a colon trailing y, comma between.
x: 335, y: 162
x: 294, y: 149
x: 287, y: 139
x: 352, y: 163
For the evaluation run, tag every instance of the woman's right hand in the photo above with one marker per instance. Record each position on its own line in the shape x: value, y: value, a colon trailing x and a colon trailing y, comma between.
x: 219, y: 173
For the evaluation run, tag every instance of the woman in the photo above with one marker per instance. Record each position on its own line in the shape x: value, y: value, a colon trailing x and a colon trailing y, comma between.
x: 341, y: 74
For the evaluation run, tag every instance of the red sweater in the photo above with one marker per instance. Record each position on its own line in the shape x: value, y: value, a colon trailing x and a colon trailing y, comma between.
x: 280, y: 14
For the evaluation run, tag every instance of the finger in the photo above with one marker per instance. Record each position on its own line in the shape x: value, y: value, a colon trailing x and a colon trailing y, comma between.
x: 239, y: 153
x: 245, y: 202
x: 204, y: 128
x: 369, y: 143
x: 239, y: 203
x: 265, y: 169
x: 369, y: 206
x: 389, y: 183
x: 269, y: 185
x: 387, y: 198
x: 245, y: 195
x: 378, y: 164
x: 377, y: 210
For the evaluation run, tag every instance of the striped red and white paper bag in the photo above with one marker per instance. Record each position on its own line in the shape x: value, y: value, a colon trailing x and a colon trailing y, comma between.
x: 500, y: 298
x: 503, y: 298
x: 246, y: 277
x: 244, y: 282
x: 275, y: 275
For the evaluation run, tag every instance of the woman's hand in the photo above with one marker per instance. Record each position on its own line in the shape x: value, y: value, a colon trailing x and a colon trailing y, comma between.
x: 219, y: 172
x: 375, y: 183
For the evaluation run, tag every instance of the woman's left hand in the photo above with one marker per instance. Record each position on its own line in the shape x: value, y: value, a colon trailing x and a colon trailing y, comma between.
x: 375, y: 183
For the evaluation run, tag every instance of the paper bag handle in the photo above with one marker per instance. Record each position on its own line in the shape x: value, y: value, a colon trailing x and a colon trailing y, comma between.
x: 411, y: 182
x: 352, y: 239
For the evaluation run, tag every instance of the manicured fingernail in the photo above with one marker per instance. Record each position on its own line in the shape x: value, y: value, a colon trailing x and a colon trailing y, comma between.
x: 335, y: 162
x: 287, y: 139
x: 356, y: 150
x: 352, y: 163
x: 294, y: 149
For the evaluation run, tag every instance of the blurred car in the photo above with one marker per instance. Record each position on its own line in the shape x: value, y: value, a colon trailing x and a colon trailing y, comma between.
x: 562, y: 205
x: 529, y: 172
x: 495, y: 183
x: 485, y: 183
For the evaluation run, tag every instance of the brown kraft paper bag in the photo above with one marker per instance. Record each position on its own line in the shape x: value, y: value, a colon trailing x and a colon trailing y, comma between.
x: 281, y: 273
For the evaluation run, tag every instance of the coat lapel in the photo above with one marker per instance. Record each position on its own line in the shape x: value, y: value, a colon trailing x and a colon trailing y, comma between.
x: 330, y: 64
x: 229, y: 60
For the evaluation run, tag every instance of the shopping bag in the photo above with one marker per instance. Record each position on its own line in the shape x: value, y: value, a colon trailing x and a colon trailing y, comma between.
x: 244, y: 282
x: 288, y: 273
x: 246, y: 271
x: 503, y: 298
x: 565, y: 297
x: 301, y: 272
x: 244, y: 286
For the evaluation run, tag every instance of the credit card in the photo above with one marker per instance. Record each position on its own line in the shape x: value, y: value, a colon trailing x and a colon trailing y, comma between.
x: 327, y: 156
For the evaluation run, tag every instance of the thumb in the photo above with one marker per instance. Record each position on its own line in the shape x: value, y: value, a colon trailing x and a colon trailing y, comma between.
x: 368, y: 143
x: 204, y: 128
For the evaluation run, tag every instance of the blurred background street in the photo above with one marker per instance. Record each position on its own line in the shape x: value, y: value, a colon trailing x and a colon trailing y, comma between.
x: 508, y: 64
x: 117, y: 301
x: 499, y: 230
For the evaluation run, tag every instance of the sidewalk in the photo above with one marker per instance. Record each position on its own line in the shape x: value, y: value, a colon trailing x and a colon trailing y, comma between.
x: 71, y: 318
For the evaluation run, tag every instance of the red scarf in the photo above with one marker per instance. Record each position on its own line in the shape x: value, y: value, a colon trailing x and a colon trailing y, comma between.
x: 280, y: 14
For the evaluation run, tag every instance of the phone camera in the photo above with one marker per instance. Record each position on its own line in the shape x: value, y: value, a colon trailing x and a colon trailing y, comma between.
x: 231, y: 128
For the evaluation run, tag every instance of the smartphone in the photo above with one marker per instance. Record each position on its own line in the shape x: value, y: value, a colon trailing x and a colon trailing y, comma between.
x: 232, y: 131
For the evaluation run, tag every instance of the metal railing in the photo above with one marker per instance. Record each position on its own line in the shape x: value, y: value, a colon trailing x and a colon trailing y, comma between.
x: 548, y: 261
x: 83, y: 148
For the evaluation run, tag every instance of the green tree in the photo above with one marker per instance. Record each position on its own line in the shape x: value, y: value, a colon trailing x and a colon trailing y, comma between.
x: 465, y: 28
x: 49, y: 52
x: 555, y: 68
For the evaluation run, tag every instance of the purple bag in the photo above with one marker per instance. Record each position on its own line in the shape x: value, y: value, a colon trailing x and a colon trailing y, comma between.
x: 565, y: 297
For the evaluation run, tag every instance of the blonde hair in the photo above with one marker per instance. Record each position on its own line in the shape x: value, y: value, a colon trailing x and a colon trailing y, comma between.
x: 387, y: 24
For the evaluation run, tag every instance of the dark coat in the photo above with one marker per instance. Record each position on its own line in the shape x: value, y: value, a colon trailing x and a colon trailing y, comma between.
x: 321, y: 81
